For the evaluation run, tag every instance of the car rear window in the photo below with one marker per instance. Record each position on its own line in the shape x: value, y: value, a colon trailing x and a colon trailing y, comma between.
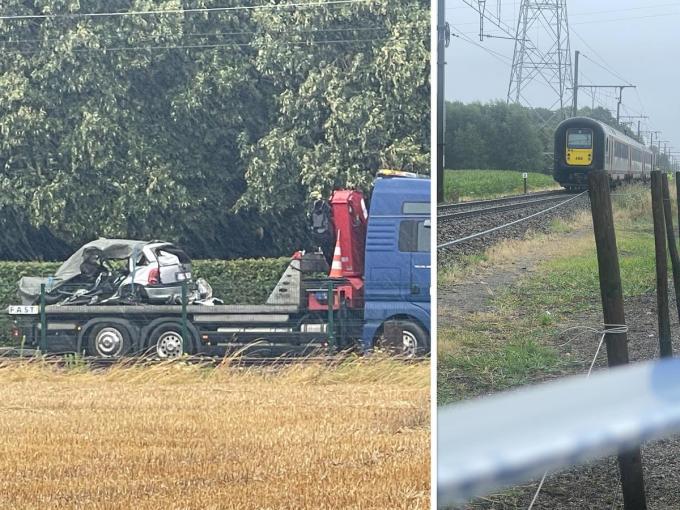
x: 180, y: 255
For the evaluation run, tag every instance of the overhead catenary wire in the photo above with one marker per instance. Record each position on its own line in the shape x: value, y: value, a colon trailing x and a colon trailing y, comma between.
x: 71, y: 15
x: 214, y: 34
x: 600, y: 57
x: 606, y: 69
x: 631, y: 18
x: 618, y: 9
x: 500, y: 227
x: 498, y: 56
x: 201, y: 46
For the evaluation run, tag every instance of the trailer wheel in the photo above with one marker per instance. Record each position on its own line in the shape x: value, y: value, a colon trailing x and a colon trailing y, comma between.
x: 411, y: 342
x: 108, y: 341
x: 168, y: 342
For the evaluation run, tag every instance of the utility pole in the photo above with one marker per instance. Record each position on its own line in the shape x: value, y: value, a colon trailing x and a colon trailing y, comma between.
x: 575, y: 107
x: 675, y: 165
x: 619, y: 87
x: 577, y: 54
x: 651, y: 137
x: 638, y: 117
x: 651, y: 144
x: 659, y: 142
x: 443, y: 38
x: 618, y: 105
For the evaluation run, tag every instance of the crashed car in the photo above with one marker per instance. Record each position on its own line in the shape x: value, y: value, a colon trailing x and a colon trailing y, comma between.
x: 118, y: 271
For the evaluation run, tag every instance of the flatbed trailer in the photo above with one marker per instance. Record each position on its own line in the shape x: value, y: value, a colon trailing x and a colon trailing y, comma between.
x: 284, y: 324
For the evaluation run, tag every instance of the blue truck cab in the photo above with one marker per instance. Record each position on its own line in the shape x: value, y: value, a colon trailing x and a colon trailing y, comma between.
x: 398, y: 264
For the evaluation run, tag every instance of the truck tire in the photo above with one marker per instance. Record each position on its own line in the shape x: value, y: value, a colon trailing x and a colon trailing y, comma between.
x: 414, y: 341
x: 108, y: 341
x: 167, y: 341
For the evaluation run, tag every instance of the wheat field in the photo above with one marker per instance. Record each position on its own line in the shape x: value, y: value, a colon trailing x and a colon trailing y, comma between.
x: 177, y: 436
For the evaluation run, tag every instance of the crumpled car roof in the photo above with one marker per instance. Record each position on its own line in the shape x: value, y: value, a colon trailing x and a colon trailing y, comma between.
x: 29, y: 286
x: 111, y: 249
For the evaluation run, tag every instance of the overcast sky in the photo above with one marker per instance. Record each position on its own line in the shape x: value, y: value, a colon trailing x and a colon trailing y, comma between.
x: 638, y: 40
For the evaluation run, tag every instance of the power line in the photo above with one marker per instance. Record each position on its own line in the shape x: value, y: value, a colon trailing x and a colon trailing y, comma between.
x: 498, y: 56
x: 646, y: 7
x: 602, y: 59
x: 499, y: 23
x: 605, y: 68
x: 611, y: 20
x: 202, y: 46
x: 180, y: 11
x: 214, y: 34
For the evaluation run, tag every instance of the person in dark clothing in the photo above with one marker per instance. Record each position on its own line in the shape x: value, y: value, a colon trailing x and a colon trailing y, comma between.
x: 92, y: 265
x: 321, y: 226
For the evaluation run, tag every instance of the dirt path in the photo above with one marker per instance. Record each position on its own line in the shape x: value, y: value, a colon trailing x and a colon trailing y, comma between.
x: 475, y: 293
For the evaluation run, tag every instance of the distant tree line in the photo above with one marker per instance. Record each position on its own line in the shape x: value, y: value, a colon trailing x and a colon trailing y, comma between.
x: 505, y: 136
x: 207, y: 128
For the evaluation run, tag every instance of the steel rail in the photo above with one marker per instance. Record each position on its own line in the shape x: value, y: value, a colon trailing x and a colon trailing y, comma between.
x: 500, y: 200
x: 496, y: 209
x: 94, y: 362
x: 479, y: 234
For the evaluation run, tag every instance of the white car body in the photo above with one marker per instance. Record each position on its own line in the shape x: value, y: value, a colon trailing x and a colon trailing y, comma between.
x: 160, y: 269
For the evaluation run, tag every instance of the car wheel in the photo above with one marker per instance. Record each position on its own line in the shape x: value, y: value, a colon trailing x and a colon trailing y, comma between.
x: 168, y: 342
x: 108, y: 341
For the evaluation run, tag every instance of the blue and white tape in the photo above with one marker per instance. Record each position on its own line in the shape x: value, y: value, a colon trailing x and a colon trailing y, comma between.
x: 493, y: 442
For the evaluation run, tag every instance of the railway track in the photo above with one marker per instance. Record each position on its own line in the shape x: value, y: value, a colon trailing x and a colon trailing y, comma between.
x: 13, y: 356
x: 447, y: 212
x: 470, y: 227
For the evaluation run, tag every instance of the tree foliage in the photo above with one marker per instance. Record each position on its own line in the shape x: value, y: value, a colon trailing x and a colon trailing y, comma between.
x: 209, y: 128
x: 495, y: 135
x: 505, y: 136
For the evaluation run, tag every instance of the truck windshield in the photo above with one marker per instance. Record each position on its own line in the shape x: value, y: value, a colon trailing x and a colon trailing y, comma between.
x: 579, y: 139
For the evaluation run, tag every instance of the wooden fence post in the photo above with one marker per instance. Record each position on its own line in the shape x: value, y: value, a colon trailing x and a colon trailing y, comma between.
x: 665, y: 346
x: 630, y: 461
x: 672, y: 247
x: 677, y: 197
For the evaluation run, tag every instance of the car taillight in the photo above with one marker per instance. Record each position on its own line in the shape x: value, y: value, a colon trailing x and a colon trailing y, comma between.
x: 154, y: 276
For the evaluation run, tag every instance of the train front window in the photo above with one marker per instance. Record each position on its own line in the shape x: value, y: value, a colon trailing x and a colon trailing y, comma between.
x: 579, y: 139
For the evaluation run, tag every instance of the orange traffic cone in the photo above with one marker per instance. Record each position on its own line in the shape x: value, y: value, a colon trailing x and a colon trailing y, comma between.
x: 336, y: 266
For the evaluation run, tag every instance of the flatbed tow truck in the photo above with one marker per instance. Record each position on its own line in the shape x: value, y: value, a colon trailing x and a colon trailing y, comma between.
x: 379, y: 289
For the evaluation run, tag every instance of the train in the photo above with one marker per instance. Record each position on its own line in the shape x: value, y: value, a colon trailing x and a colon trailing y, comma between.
x: 583, y: 144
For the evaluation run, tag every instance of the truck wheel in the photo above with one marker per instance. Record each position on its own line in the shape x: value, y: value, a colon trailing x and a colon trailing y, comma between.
x: 413, y: 341
x: 108, y: 341
x: 167, y: 341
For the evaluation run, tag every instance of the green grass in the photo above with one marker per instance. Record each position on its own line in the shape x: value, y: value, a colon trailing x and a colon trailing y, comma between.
x: 490, y: 367
x: 492, y: 351
x: 570, y: 284
x: 450, y: 271
x: 478, y: 184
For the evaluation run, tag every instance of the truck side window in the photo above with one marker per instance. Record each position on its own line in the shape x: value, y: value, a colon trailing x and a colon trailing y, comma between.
x: 416, y: 208
x: 414, y: 235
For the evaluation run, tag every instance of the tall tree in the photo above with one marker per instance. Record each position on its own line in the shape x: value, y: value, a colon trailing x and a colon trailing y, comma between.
x: 206, y: 127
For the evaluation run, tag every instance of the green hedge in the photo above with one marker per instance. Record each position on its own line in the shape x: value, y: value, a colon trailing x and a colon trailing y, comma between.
x: 243, y: 281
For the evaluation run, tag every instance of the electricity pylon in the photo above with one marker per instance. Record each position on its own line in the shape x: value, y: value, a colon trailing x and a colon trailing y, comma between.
x: 542, y: 54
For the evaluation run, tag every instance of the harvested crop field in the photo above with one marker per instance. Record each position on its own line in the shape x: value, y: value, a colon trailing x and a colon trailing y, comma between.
x: 177, y: 436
